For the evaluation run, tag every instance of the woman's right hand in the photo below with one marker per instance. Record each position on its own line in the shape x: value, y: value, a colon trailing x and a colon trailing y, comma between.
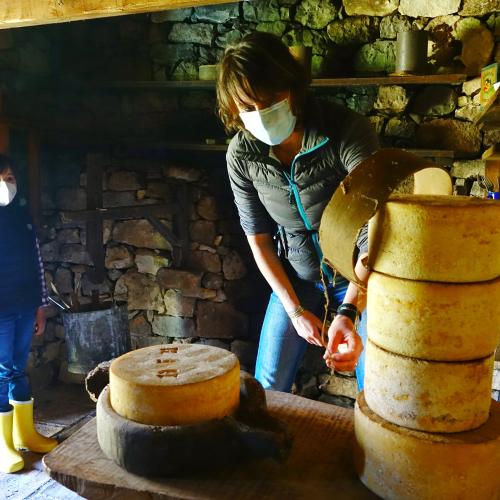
x: 309, y: 326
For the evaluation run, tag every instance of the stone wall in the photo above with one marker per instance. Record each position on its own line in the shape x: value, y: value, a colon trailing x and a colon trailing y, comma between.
x: 43, y: 68
x: 217, y: 296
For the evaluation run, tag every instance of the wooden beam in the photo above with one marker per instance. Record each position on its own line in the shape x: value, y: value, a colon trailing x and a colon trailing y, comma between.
x: 34, y: 181
x: 4, y: 138
x: 95, y: 244
x: 19, y: 13
x: 139, y: 211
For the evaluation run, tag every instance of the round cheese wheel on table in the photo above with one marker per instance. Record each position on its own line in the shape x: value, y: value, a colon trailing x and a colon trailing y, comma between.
x: 434, y: 321
x: 431, y: 396
x: 452, y: 239
x: 175, y: 384
x: 403, y: 464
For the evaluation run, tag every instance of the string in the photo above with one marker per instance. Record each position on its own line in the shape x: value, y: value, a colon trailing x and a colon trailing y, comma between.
x: 324, y: 282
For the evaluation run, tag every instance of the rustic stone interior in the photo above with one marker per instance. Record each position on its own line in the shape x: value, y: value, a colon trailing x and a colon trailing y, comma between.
x: 56, y: 78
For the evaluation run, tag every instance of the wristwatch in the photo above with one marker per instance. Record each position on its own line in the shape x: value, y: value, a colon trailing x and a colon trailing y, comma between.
x: 349, y: 310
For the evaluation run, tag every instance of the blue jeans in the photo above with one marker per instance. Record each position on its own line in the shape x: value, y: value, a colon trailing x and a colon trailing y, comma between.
x: 280, y: 348
x: 360, y: 367
x: 16, y: 332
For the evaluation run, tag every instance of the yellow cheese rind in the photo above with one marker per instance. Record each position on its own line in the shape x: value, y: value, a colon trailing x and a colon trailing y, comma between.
x: 450, y: 239
x: 402, y: 464
x: 434, y: 321
x: 158, y: 386
x: 430, y: 396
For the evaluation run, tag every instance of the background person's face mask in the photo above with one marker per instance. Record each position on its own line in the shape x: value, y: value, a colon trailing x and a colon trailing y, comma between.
x: 7, y: 193
x: 271, y: 125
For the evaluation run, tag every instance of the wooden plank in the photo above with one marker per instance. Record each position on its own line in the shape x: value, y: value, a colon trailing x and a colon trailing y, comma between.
x: 389, y: 80
x: 18, y: 13
x: 95, y: 244
x: 173, y: 145
x: 181, y: 222
x: 117, y: 213
x: 167, y: 234
x: 440, y: 153
x: 318, y: 82
x: 34, y: 182
x: 153, y: 85
x: 319, y: 466
x: 199, y: 146
x: 4, y: 138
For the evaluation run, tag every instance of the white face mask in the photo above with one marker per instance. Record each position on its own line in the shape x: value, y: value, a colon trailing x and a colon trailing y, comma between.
x: 271, y: 125
x: 7, y: 193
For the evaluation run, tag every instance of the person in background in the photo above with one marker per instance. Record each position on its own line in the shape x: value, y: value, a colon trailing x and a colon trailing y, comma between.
x: 22, y: 299
x: 290, y: 153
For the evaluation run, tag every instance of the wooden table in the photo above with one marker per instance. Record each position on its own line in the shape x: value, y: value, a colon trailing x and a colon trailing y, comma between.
x: 319, y: 466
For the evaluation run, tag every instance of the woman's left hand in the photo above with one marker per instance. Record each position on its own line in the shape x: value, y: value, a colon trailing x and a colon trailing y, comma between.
x: 40, y: 320
x: 342, y: 331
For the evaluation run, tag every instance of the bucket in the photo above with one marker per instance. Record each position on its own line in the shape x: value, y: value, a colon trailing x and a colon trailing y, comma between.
x: 94, y: 335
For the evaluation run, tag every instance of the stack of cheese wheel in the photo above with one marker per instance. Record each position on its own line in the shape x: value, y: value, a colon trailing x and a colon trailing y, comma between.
x: 426, y: 426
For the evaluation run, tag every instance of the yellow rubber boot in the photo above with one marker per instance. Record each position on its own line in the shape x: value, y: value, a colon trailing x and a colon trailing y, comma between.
x: 25, y: 435
x: 10, y: 460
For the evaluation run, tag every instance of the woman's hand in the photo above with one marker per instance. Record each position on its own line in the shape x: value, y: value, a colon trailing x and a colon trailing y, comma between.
x: 308, y: 326
x: 342, y: 331
x: 40, y: 320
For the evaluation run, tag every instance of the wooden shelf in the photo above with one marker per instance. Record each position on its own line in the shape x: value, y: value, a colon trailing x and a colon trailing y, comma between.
x: 440, y: 153
x: 193, y: 146
x: 152, y: 145
x: 316, y: 83
x: 178, y: 146
x: 390, y: 80
x: 152, y: 85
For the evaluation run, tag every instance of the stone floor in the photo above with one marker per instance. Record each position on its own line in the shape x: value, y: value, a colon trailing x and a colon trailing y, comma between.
x: 59, y: 411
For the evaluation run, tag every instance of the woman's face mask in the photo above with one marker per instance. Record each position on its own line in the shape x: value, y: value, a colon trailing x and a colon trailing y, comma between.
x: 8, y: 191
x: 271, y: 125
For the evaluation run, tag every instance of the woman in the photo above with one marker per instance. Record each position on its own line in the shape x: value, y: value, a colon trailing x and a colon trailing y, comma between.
x: 288, y: 157
x: 22, y: 296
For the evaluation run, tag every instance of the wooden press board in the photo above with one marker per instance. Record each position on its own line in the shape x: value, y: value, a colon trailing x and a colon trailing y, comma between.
x: 318, y: 468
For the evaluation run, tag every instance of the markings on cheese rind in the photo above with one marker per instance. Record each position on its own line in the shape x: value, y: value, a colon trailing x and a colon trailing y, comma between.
x: 194, y: 362
x: 165, y: 350
x: 168, y: 372
x: 167, y: 361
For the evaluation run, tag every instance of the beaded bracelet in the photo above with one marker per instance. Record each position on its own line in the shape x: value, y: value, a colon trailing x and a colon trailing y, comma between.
x: 296, y: 313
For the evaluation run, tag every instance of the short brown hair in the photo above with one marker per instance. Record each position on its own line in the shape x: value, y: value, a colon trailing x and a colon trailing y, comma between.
x: 6, y: 163
x: 258, y: 66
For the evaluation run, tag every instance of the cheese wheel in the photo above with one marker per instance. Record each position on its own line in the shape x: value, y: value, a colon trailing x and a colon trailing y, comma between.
x: 403, y: 464
x: 434, y: 321
x: 431, y: 396
x: 175, y: 384
x: 450, y: 239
